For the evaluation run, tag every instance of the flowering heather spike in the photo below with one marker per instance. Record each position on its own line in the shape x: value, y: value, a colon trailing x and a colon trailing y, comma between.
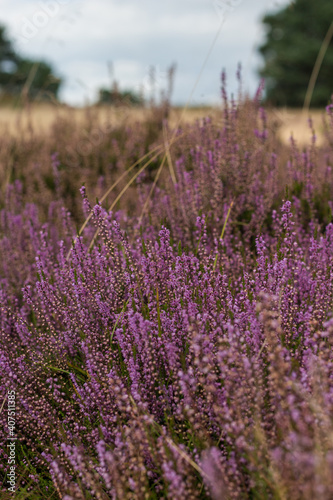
x: 259, y: 91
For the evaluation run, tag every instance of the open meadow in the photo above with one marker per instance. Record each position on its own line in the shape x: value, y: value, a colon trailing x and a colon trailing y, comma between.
x: 166, y: 299
x: 40, y: 117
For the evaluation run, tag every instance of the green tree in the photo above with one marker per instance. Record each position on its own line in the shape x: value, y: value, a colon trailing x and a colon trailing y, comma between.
x: 294, y: 38
x: 35, y: 80
x: 8, y: 58
x: 20, y: 76
x: 118, y: 97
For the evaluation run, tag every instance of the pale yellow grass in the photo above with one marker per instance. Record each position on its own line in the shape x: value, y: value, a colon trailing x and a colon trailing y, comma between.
x: 39, y: 119
x: 294, y: 122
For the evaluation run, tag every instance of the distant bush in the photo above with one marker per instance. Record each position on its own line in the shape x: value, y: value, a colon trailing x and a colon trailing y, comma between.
x: 120, y: 97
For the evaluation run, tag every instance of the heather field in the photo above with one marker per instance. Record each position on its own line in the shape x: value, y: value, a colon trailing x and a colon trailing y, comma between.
x: 166, y: 308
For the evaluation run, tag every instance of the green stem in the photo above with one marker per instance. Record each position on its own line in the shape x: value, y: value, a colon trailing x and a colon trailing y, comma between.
x: 222, y: 233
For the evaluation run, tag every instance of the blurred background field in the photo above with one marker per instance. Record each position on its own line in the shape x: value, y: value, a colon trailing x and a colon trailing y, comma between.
x: 55, y: 65
x: 174, y: 54
x: 39, y: 119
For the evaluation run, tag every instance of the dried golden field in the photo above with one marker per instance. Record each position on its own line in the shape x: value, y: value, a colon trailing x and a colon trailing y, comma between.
x: 38, y: 119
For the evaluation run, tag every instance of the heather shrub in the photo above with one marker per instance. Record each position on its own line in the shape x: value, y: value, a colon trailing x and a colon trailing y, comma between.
x: 187, y: 352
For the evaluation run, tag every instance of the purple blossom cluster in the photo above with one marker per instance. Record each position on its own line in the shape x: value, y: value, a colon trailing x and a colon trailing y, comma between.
x: 187, y: 353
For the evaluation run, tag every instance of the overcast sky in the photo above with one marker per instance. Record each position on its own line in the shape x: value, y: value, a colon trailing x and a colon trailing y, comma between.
x: 80, y: 38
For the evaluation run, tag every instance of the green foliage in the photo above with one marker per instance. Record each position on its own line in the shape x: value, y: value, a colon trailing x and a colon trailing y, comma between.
x: 8, y: 58
x: 20, y: 76
x: 293, y: 40
x: 119, y: 97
